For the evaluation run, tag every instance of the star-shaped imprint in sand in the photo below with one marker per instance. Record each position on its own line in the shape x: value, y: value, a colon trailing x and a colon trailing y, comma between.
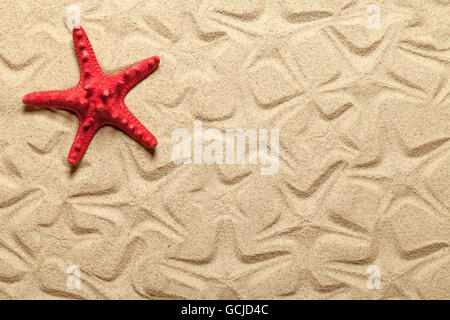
x: 98, y: 98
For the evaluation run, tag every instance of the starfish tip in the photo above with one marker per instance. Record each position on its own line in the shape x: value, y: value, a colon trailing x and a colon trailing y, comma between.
x: 153, y: 62
x: 152, y: 143
x: 28, y: 98
x: 72, y: 160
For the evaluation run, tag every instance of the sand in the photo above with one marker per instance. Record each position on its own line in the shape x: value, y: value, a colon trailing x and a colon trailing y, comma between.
x: 359, y: 206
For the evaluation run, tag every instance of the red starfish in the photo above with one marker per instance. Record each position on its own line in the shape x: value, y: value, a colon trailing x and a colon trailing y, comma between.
x: 98, y: 98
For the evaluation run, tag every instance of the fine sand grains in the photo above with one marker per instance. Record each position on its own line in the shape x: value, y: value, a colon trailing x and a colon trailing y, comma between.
x: 359, y: 205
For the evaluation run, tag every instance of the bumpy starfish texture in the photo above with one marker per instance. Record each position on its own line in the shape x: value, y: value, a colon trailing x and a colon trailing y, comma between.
x: 98, y: 98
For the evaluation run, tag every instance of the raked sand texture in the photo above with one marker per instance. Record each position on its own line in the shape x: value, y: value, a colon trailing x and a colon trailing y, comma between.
x: 364, y: 156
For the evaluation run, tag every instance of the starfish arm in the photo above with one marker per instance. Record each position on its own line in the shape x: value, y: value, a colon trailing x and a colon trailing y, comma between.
x: 86, y: 57
x: 61, y: 99
x: 86, y: 131
x: 135, y: 129
x: 138, y: 72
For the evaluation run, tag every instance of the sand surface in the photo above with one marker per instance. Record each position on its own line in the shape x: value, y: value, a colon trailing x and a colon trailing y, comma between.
x: 363, y: 182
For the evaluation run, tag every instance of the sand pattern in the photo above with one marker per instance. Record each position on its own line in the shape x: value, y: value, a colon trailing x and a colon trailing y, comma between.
x: 364, y: 152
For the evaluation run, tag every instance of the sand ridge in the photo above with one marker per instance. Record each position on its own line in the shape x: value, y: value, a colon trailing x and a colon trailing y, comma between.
x: 362, y: 189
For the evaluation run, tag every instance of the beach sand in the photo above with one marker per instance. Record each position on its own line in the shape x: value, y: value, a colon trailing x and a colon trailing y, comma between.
x: 358, y: 207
